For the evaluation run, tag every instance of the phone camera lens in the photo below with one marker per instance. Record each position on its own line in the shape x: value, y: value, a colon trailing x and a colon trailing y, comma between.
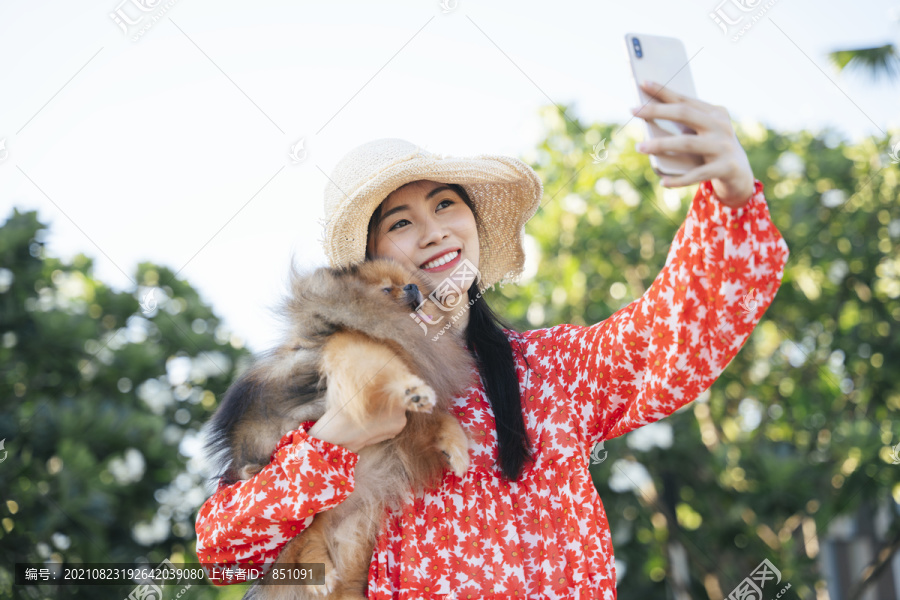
x: 637, y: 47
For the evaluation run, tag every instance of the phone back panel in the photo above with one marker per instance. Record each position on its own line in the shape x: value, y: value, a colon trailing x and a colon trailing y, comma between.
x: 665, y: 61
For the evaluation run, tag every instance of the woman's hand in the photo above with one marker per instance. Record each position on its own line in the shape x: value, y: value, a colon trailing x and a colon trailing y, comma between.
x: 725, y: 163
x: 335, y: 427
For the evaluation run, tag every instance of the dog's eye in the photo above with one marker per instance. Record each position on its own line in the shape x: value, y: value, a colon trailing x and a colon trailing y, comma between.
x: 386, y: 290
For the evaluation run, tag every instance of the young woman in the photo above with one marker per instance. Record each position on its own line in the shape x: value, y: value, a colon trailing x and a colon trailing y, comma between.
x: 525, y: 521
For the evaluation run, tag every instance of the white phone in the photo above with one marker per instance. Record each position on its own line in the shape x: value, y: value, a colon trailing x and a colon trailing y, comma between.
x: 665, y: 61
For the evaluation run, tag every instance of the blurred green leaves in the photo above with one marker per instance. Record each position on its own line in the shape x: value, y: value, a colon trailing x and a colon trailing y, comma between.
x: 102, y: 400
x: 799, y: 428
x: 877, y: 61
x: 101, y: 430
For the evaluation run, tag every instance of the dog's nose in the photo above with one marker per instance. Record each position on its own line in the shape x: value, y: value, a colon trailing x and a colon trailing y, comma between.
x: 413, y: 295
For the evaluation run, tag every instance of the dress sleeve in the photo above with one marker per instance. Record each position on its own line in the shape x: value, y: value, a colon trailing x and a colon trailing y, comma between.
x: 248, y: 522
x: 662, y: 350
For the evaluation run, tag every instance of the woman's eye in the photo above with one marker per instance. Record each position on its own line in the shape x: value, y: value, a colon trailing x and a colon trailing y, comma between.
x: 448, y: 202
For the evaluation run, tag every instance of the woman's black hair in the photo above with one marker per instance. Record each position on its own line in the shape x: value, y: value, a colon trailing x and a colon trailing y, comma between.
x: 493, y: 355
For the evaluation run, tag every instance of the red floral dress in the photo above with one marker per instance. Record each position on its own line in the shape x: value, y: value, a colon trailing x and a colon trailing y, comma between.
x: 545, y: 535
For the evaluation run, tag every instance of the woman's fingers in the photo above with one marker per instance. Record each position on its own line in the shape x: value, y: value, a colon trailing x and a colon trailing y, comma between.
x: 702, y: 144
x: 668, y: 96
x: 691, y: 116
x: 662, y: 93
x: 701, y: 173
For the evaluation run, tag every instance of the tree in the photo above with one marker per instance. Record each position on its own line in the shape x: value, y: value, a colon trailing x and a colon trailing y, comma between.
x: 876, y: 60
x: 102, y: 402
x: 799, y: 429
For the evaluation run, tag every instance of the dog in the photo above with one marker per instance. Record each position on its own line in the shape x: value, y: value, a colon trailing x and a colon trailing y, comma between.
x: 351, y: 344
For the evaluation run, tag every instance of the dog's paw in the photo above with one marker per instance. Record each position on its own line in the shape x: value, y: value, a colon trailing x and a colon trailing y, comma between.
x: 331, y: 581
x: 458, y: 457
x: 331, y: 584
x: 417, y: 395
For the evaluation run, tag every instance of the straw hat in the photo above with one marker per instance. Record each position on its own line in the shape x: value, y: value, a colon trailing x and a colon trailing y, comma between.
x: 505, y: 191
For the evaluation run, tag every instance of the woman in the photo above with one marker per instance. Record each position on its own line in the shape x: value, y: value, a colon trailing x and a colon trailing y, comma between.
x: 525, y: 520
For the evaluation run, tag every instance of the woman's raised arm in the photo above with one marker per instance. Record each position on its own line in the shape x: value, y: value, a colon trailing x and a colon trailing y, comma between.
x: 663, y: 349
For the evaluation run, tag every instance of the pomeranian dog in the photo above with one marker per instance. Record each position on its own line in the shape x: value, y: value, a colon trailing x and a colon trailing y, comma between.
x: 350, y: 344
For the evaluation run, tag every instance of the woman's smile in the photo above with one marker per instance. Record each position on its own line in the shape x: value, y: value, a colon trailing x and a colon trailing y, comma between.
x: 425, y: 225
x: 444, y: 261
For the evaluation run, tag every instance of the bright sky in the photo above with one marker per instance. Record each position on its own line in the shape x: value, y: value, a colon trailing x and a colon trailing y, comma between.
x: 175, y: 148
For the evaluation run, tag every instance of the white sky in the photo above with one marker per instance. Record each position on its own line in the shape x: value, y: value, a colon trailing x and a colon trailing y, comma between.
x: 174, y: 148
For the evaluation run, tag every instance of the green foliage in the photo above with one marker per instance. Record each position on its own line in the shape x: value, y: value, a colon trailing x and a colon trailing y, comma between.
x: 877, y: 61
x: 98, y: 434
x: 796, y: 432
x: 799, y: 428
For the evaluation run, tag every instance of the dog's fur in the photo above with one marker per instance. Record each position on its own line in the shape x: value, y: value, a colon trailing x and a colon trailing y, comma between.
x: 351, y: 344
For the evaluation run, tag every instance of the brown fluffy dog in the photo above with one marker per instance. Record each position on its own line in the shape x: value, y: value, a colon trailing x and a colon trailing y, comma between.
x: 351, y: 344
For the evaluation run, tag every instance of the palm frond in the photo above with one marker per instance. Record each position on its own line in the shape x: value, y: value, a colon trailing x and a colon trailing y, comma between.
x: 878, y: 61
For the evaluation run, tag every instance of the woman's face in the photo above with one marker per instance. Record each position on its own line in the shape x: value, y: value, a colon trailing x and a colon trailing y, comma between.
x: 423, y: 223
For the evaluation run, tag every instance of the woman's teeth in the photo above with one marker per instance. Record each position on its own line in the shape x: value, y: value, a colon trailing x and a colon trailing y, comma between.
x: 441, y: 261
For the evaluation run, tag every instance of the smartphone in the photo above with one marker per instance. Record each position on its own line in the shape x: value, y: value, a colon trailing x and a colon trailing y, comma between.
x: 665, y: 61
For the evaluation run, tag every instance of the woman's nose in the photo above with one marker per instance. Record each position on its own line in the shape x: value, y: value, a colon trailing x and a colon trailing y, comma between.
x: 435, y: 233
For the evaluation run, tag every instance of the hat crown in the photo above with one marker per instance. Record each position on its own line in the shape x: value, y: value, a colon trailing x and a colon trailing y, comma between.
x: 364, y: 163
